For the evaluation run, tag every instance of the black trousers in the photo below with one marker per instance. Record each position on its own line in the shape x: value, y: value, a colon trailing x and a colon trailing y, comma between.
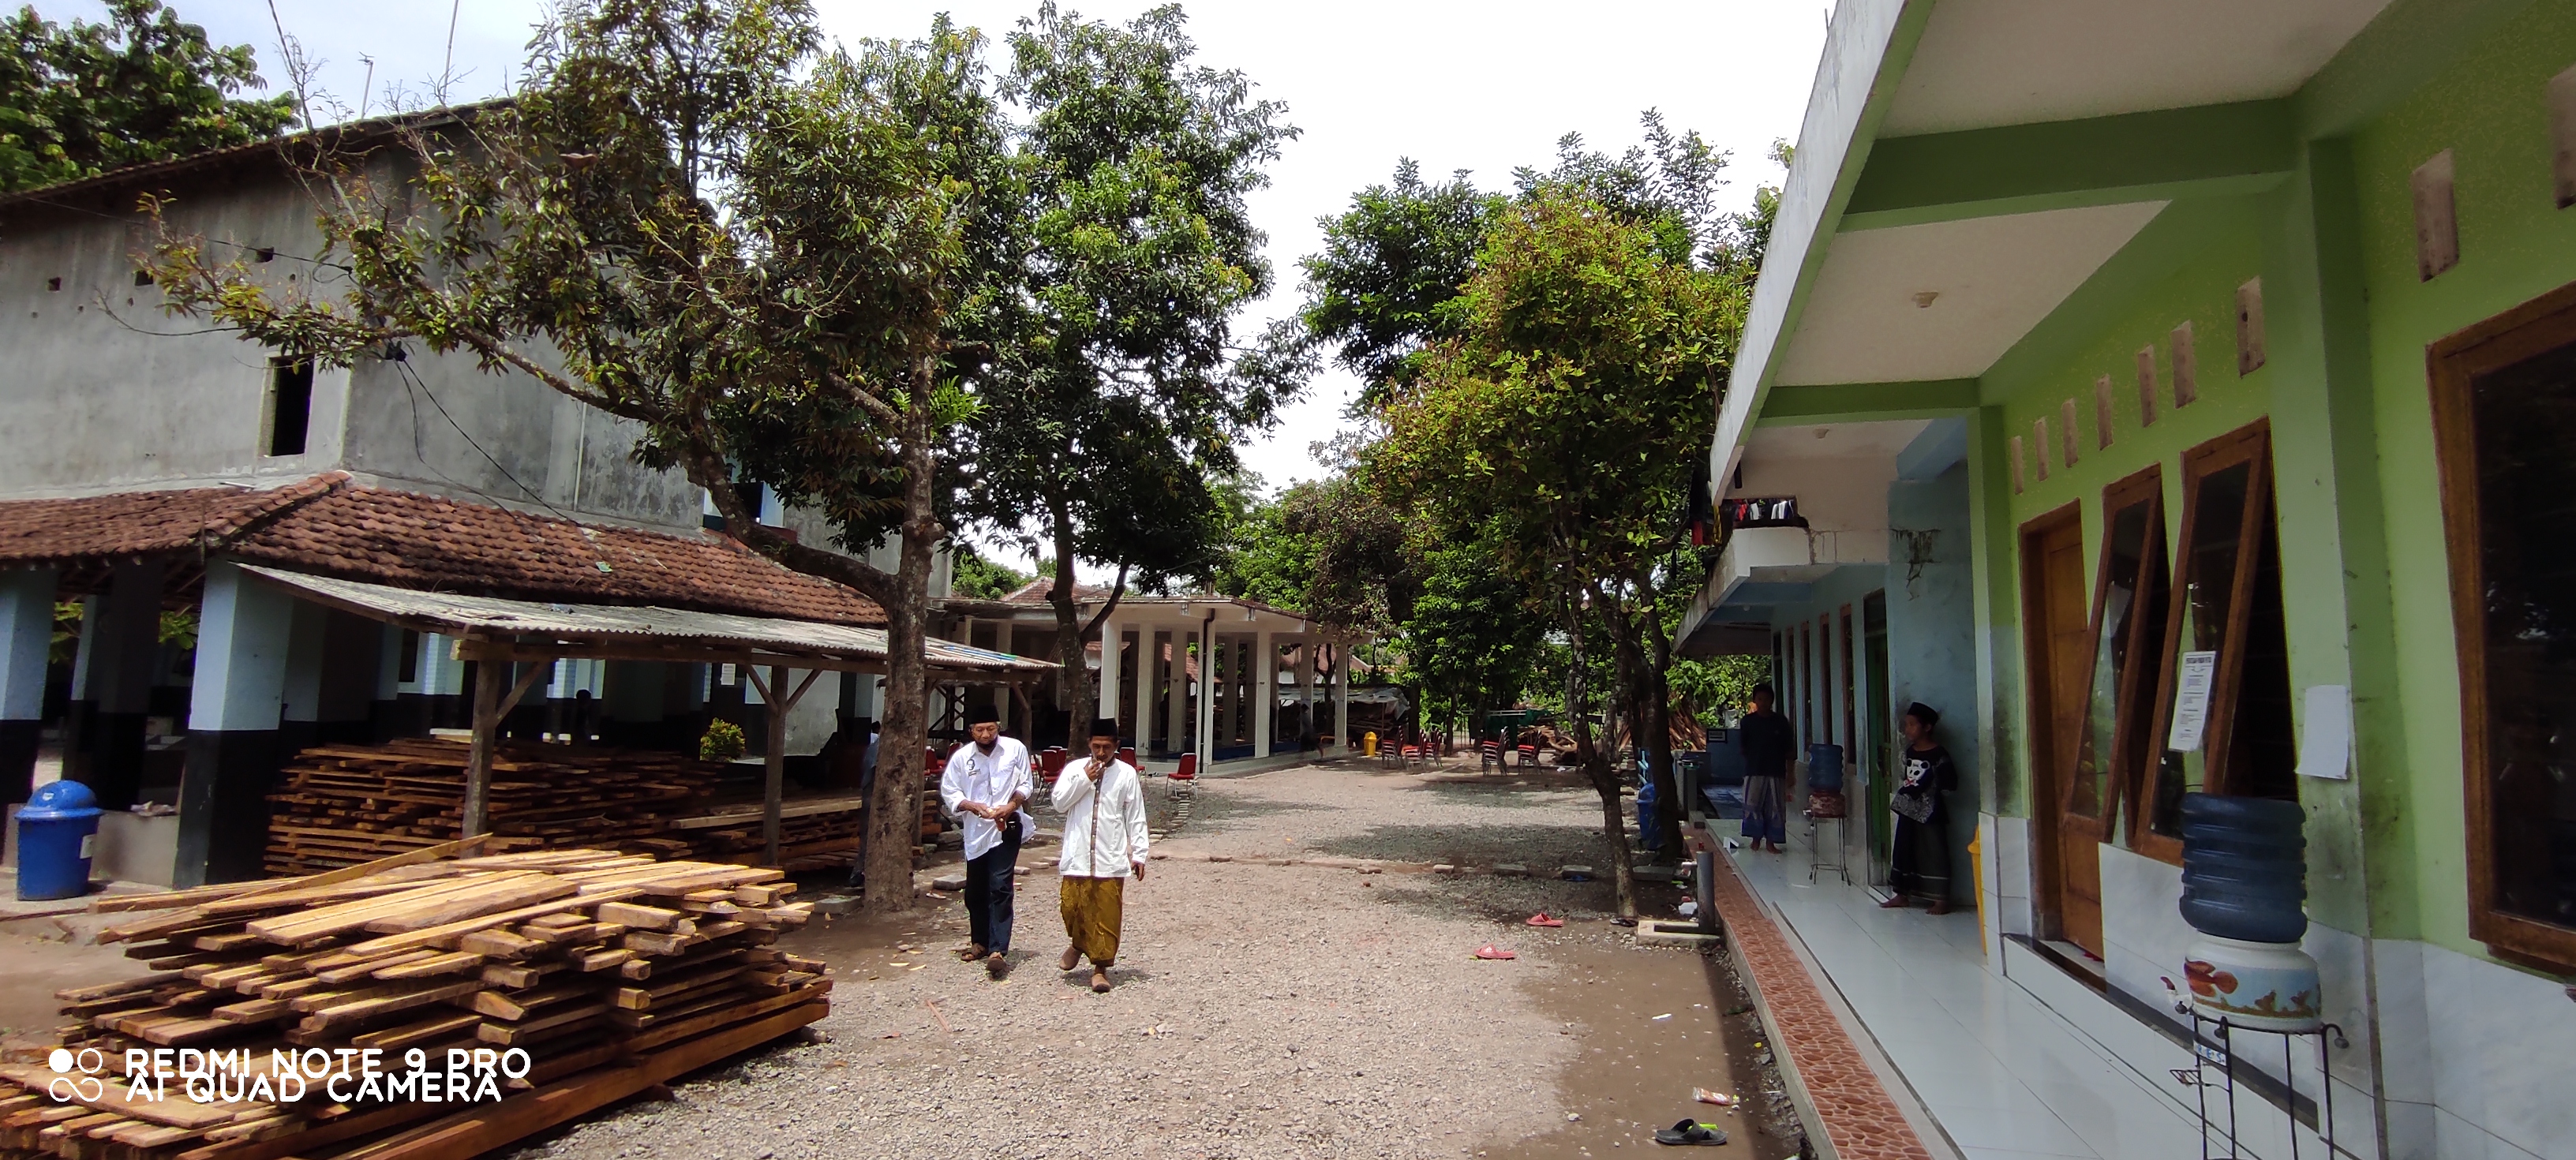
x: 1920, y: 866
x: 988, y: 890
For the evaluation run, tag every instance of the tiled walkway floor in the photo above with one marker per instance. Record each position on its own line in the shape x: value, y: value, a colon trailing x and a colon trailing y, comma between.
x: 2006, y: 1077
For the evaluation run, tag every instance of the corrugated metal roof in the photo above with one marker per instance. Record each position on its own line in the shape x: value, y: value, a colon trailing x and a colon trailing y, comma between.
x: 573, y: 629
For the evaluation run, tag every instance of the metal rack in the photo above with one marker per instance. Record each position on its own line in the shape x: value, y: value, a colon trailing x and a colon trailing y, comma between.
x: 2214, y: 1046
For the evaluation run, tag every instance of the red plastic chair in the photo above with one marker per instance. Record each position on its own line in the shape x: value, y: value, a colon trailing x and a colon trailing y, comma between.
x: 1050, y: 763
x: 1127, y: 753
x: 1489, y: 756
x: 1188, y: 771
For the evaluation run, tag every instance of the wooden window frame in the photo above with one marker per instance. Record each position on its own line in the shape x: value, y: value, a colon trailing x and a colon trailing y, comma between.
x: 2251, y: 443
x: 2536, y: 327
x: 2131, y: 730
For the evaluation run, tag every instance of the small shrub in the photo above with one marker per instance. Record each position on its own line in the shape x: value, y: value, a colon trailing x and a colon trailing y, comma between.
x: 723, y: 742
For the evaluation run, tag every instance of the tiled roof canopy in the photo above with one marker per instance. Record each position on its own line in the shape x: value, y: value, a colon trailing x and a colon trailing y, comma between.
x: 328, y: 526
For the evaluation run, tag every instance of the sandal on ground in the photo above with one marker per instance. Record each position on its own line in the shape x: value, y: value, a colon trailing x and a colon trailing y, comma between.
x: 1896, y: 902
x: 972, y: 952
x: 1542, y: 919
x: 1690, y: 1132
x: 1100, y: 982
x: 997, y: 966
x: 1490, y: 951
x: 1072, y: 958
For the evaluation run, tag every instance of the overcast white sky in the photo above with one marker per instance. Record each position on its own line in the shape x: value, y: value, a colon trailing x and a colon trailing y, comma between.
x: 1483, y: 86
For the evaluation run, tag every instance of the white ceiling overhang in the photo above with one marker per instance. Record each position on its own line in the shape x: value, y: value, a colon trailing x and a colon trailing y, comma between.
x: 1944, y: 300
x: 1983, y: 63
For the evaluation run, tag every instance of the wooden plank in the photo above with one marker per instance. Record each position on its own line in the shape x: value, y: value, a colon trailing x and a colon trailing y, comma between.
x: 638, y: 916
x: 422, y: 938
x: 485, y: 1128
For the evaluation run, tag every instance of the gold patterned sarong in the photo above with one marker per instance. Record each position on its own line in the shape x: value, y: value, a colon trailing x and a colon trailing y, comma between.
x: 1093, y: 908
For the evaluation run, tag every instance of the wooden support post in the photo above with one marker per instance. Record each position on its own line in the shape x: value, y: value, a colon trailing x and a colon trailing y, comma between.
x: 774, y: 760
x: 489, y: 708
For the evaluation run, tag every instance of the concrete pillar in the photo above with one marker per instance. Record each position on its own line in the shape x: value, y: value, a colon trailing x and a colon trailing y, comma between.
x: 1342, y: 696
x: 244, y: 636
x: 1306, y: 687
x: 1206, y: 747
x: 1176, y: 668
x: 1004, y: 637
x: 300, y: 704
x: 26, y: 638
x: 1265, y: 680
x: 120, y: 682
x: 1109, y: 669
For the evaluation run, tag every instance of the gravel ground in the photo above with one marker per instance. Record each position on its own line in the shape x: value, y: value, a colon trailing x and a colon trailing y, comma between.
x: 1261, y: 1010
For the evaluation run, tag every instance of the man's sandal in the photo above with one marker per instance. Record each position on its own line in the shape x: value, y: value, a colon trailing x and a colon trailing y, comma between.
x: 1690, y: 1132
x: 1072, y: 958
x: 1100, y: 982
x: 973, y: 952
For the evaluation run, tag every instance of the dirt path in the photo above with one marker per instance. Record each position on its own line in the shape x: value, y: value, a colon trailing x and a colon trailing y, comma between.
x: 1262, y: 1010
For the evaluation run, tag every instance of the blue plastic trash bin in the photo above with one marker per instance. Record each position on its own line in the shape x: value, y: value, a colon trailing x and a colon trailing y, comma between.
x: 56, y: 829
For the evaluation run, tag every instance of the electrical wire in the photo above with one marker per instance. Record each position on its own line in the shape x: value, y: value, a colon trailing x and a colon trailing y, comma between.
x: 415, y: 387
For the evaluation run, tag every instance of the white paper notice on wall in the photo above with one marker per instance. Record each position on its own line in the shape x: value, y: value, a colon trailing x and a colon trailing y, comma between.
x: 2191, y: 700
x: 2325, y: 749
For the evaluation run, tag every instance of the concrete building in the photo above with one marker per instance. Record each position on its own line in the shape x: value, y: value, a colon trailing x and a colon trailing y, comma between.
x: 1159, y: 683
x: 142, y: 456
x: 2099, y: 345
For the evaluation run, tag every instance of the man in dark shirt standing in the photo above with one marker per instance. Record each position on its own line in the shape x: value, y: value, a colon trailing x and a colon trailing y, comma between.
x: 1769, y: 745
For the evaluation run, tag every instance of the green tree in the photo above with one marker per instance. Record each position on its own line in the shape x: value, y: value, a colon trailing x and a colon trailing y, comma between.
x: 972, y: 577
x: 1556, y: 431
x: 693, y: 218
x: 79, y: 100
x: 1390, y: 264
x: 1111, y: 395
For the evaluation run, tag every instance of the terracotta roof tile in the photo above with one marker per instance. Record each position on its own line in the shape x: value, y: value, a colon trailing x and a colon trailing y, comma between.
x: 328, y: 526
x: 99, y: 527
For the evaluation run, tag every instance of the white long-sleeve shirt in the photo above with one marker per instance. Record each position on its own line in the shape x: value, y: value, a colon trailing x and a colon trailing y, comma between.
x: 1104, y: 825
x: 987, y: 779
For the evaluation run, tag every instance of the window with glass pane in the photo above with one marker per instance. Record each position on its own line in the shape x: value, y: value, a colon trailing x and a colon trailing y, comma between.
x: 2222, y: 714
x: 2129, y: 625
x: 2505, y: 414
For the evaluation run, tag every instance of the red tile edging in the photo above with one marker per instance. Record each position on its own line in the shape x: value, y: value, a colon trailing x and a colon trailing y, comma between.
x: 1858, y: 1118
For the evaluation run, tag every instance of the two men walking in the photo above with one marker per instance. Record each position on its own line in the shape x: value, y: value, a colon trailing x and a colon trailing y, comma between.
x: 1105, y: 842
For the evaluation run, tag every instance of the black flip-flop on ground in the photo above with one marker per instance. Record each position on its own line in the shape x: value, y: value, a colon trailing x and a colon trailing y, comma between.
x: 1689, y: 1132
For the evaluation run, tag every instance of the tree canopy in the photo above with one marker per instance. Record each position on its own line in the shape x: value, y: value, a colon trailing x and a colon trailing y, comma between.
x: 694, y: 217
x: 80, y: 99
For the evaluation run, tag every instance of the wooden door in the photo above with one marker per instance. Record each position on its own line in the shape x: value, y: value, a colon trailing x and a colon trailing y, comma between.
x: 2057, y: 633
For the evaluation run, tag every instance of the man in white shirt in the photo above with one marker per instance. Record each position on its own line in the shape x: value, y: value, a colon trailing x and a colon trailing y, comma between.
x: 1103, y: 803
x: 985, y: 784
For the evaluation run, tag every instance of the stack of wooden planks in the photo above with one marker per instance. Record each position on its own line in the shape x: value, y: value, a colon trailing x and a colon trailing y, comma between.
x: 613, y: 972
x: 339, y: 805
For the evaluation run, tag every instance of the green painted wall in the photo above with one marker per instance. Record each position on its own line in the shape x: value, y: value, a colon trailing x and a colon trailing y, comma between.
x: 2346, y: 323
x: 2487, y: 107
x: 2183, y: 267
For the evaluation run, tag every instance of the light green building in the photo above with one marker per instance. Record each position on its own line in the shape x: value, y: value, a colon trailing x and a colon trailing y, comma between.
x: 2096, y: 336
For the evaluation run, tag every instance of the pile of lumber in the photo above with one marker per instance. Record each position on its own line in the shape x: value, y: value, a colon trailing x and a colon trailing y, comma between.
x: 613, y: 972
x: 339, y: 805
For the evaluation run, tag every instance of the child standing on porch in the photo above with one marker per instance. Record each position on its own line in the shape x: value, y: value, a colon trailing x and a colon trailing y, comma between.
x: 1921, y: 866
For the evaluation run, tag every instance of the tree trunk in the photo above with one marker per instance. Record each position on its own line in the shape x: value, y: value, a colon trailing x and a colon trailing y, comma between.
x: 894, y: 809
x: 1080, y: 689
x: 1659, y: 726
x: 1614, y: 825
